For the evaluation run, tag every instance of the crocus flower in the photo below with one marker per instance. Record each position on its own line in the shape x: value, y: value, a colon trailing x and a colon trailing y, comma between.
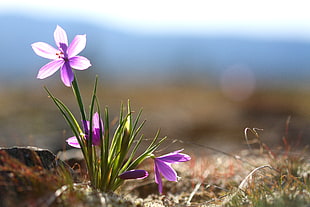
x: 162, y: 166
x: 73, y: 142
x: 134, y: 174
x: 64, y: 57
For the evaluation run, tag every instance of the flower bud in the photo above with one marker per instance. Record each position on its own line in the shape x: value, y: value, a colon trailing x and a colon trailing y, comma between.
x: 134, y: 174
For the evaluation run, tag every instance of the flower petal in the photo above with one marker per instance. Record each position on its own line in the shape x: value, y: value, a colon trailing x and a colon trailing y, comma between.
x: 79, y: 62
x: 96, y: 137
x: 77, y: 45
x: 174, y: 157
x: 166, y: 170
x: 134, y: 174
x: 45, y: 50
x: 86, y: 126
x: 96, y: 129
x: 97, y: 121
x: 66, y: 74
x: 49, y: 69
x: 73, y: 142
x: 60, y: 37
x: 158, y: 178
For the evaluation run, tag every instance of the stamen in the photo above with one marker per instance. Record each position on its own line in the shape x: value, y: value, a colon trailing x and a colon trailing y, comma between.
x: 59, y: 54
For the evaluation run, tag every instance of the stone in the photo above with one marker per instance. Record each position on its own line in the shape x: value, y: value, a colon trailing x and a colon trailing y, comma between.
x: 33, y: 156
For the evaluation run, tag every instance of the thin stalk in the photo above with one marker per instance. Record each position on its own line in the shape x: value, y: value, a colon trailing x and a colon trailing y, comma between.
x: 77, y: 94
x: 147, y: 152
x: 100, y: 161
x: 105, y: 165
x: 91, y: 148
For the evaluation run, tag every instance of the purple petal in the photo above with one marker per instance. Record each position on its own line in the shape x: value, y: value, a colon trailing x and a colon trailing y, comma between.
x: 45, y: 50
x: 86, y: 126
x: 73, y: 142
x: 77, y: 45
x: 158, y: 178
x: 134, y: 174
x: 60, y: 37
x: 166, y: 170
x: 79, y: 62
x: 66, y: 74
x: 96, y: 137
x: 96, y: 129
x: 63, y: 47
x: 97, y: 121
x: 174, y: 157
x: 50, y: 68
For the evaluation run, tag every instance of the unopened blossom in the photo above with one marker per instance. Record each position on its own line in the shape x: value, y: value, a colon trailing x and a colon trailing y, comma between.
x: 96, y: 134
x: 162, y: 166
x: 134, y: 174
x: 64, y: 57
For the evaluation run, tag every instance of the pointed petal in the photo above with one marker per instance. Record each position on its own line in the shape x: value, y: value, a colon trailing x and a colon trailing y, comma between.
x: 158, y: 178
x: 96, y: 129
x: 73, y: 142
x: 174, y: 157
x: 77, y: 45
x: 60, y: 37
x: 134, y: 174
x: 166, y: 170
x: 49, y: 69
x: 97, y: 121
x: 45, y: 50
x: 79, y: 62
x: 66, y: 74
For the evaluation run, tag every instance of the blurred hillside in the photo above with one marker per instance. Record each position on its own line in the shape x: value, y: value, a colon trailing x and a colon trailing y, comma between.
x: 136, y: 57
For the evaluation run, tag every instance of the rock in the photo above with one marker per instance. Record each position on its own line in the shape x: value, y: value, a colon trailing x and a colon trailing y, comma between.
x: 33, y: 156
x: 30, y: 173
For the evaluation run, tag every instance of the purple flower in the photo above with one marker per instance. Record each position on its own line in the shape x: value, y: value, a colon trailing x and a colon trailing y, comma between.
x: 64, y: 57
x: 162, y: 165
x: 73, y: 142
x: 134, y: 174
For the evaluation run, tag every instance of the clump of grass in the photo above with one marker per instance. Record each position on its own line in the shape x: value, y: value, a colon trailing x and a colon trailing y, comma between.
x: 286, y: 182
x: 276, y: 184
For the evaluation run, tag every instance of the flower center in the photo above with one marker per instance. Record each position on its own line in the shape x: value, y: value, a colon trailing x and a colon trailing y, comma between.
x: 60, y: 54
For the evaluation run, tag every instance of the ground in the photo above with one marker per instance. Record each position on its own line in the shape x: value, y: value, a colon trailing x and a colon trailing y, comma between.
x: 252, y: 177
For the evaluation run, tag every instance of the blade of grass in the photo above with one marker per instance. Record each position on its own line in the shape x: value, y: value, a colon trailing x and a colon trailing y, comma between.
x: 70, y: 119
x: 77, y: 94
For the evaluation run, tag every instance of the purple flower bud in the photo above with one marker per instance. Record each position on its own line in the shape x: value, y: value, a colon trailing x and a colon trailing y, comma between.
x: 97, y: 126
x: 134, y: 174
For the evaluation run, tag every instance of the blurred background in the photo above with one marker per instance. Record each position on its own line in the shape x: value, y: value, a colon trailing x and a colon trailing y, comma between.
x: 201, y: 70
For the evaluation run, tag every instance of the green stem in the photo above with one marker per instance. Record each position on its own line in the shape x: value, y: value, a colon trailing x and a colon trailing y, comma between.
x: 90, y: 152
x: 78, y: 97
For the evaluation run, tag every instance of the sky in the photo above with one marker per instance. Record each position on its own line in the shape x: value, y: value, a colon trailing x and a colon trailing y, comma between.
x: 263, y: 18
